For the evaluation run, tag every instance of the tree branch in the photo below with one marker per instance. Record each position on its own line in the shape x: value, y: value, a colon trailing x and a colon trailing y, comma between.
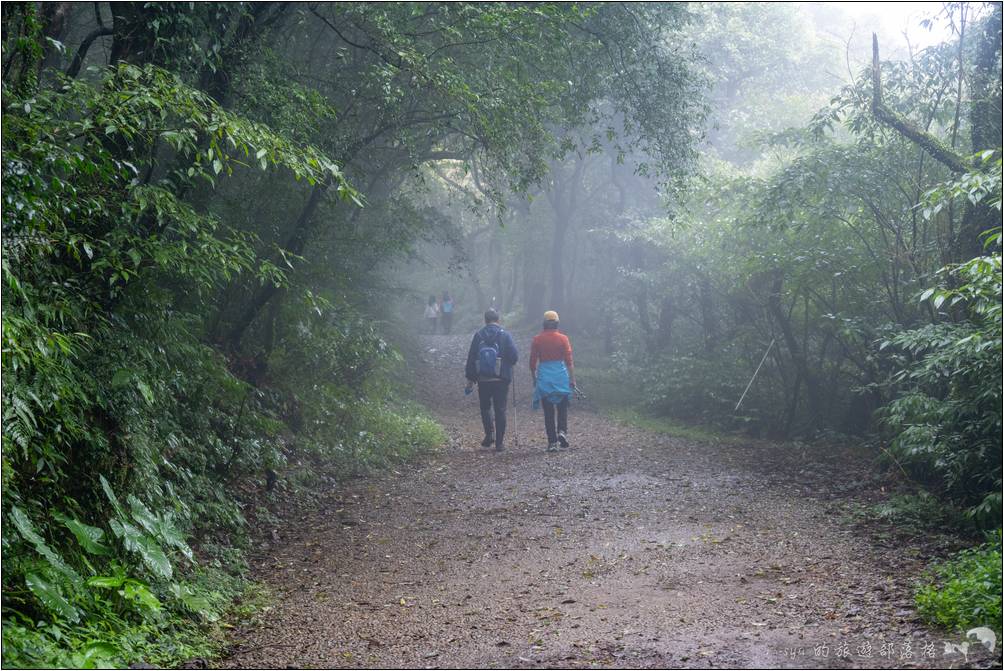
x: 904, y: 127
x: 78, y: 58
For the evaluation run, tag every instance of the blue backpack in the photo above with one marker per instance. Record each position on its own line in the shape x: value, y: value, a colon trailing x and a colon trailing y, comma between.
x: 490, y: 358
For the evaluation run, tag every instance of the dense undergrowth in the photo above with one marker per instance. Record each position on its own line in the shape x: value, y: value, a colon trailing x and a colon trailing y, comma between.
x: 965, y: 590
x: 133, y: 446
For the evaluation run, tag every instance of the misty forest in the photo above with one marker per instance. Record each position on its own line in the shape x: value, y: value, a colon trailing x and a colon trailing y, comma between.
x: 249, y: 255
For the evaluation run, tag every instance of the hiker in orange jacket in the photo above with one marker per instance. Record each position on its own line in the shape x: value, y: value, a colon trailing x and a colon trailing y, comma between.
x: 553, y: 379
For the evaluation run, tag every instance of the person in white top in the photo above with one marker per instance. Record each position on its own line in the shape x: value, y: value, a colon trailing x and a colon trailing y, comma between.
x: 432, y: 314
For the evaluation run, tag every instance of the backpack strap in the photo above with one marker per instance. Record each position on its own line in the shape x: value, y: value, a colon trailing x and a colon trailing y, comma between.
x: 494, y: 341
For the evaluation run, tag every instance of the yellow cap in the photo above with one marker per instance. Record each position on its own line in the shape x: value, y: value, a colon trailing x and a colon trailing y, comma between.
x: 550, y: 316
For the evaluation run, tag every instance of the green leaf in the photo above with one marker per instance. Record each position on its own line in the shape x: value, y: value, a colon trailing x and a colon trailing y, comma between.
x: 137, y: 591
x: 194, y: 601
x: 147, y: 548
x: 51, y: 597
x: 142, y: 514
x: 89, y: 537
x: 159, y: 526
x: 107, y: 581
x: 111, y: 497
x: 121, y: 377
x: 27, y: 531
x: 144, y: 389
x: 100, y: 655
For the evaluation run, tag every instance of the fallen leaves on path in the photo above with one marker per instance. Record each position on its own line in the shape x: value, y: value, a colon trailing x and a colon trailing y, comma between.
x: 629, y: 550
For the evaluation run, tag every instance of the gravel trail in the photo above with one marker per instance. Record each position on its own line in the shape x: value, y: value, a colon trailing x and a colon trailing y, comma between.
x: 630, y: 549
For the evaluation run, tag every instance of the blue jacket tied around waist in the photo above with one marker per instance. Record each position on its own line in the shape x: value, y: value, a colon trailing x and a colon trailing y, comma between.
x: 552, y: 383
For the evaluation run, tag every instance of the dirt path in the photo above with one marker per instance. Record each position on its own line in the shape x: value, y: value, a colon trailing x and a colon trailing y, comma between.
x: 630, y: 549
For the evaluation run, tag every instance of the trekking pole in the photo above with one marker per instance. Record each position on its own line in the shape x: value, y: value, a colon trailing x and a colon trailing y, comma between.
x: 755, y: 373
x: 515, y: 422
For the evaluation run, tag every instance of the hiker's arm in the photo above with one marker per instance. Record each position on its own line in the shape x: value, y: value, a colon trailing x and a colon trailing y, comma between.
x: 513, y: 352
x: 534, y: 358
x: 568, y: 362
x: 470, y: 369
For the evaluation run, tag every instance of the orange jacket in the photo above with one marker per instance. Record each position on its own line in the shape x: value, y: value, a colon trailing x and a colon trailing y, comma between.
x: 551, y: 345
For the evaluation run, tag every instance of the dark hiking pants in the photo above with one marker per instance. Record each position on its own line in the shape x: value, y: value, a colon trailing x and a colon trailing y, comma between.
x: 552, y: 433
x: 494, y: 393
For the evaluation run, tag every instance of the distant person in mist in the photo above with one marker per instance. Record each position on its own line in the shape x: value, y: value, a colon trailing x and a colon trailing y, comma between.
x: 553, y: 379
x: 432, y: 314
x: 489, y: 365
x: 447, y: 311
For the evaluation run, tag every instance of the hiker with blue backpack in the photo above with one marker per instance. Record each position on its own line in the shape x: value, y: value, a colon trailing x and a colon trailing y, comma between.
x: 553, y: 379
x: 490, y: 361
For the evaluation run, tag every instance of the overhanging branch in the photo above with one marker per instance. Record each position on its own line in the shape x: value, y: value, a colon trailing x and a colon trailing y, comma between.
x: 932, y: 145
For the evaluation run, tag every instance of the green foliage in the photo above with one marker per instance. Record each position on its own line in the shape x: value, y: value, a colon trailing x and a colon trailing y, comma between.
x: 965, y: 591
x: 947, y: 418
x: 606, y: 387
x: 355, y: 417
x: 22, y: 46
x: 820, y: 248
x: 108, y: 385
x: 922, y: 512
x: 107, y: 638
x: 695, y: 389
x: 658, y: 424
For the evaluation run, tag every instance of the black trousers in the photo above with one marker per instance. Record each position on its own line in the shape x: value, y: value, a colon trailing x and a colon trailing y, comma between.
x: 552, y: 432
x: 494, y: 393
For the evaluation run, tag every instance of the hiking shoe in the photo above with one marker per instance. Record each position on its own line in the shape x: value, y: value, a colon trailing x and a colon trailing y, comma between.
x: 552, y: 447
x: 487, y: 442
x: 562, y: 439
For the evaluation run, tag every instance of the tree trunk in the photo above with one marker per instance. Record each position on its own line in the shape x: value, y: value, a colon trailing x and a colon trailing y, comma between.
x: 812, y: 387
x: 479, y: 292
x: 985, y: 121
x: 510, y: 301
x: 641, y: 303
x: 295, y: 245
x: 667, y: 315
x: 557, y: 265
x: 709, y: 319
x: 563, y: 197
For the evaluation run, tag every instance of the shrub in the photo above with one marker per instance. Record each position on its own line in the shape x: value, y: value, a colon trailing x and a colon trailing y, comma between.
x: 946, y: 421
x: 966, y: 590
